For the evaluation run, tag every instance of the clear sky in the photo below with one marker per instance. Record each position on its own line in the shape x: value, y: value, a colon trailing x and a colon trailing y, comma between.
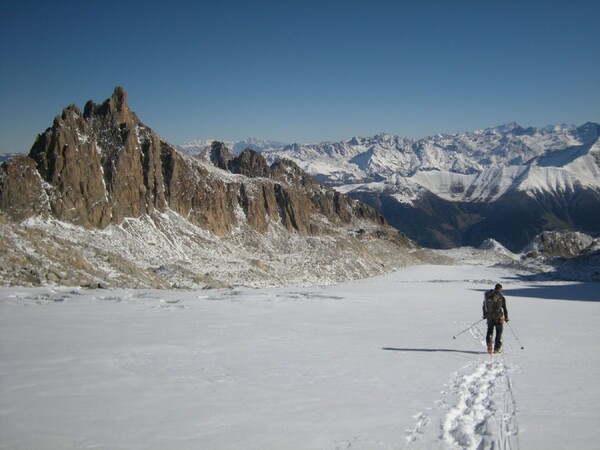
x: 301, y: 71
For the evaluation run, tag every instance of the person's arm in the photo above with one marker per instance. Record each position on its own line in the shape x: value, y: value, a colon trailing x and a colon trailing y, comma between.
x: 504, y: 308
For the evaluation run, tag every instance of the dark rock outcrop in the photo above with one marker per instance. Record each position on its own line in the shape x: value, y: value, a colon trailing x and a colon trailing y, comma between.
x: 220, y: 155
x: 250, y: 164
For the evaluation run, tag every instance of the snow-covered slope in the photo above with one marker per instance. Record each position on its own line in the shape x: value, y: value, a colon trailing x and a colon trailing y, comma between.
x: 167, y: 250
x: 365, y: 365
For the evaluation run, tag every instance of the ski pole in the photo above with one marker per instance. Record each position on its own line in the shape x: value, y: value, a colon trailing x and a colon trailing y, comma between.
x: 468, y: 328
x: 513, y: 332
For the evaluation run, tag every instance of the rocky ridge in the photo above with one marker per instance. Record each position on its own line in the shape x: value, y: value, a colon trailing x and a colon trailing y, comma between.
x: 104, y: 173
x: 104, y: 165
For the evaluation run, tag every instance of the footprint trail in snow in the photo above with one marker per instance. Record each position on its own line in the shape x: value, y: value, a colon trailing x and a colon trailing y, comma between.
x: 482, y: 411
x: 484, y: 416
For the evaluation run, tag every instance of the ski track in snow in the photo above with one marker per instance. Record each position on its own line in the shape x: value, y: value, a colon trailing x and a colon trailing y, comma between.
x: 483, y: 413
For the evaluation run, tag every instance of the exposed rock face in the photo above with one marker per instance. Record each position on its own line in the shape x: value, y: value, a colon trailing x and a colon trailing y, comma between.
x: 193, y: 192
x: 21, y: 193
x: 104, y: 165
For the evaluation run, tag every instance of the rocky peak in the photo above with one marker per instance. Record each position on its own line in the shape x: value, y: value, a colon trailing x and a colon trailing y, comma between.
x: 97, y: 167
x: 251, y: 164
x: 71, y: 112
x: 220, y: 155
x: 287, y: 171
x: 115, y: 107
x: 105, y: 165
x: 287, y: 192
x: 118, y: 100
x: 248, y: 163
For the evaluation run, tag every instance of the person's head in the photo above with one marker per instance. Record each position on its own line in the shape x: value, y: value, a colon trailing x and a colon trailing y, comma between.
x: 498, y: 287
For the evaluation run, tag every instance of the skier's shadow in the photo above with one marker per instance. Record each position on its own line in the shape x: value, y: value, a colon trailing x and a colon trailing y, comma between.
x: 432, y: 350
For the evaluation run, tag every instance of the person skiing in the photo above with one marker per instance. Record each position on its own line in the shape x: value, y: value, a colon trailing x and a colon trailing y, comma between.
x: 494, y: 310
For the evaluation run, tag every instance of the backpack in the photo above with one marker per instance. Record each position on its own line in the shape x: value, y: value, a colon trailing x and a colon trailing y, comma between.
x: 492, y: 305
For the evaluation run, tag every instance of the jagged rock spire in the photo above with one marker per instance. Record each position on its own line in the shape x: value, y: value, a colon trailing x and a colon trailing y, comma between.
x: 106, y: 165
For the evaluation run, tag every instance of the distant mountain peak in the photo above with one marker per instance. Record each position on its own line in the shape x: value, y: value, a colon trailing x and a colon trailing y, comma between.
x: 196, y: 146
x: 505, y: 128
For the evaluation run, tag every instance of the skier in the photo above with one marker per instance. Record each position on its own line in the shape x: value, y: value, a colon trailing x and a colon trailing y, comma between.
x: 494, y: 310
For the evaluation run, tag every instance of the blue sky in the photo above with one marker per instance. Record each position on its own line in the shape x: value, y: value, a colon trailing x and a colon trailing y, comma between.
x: 301, y: 71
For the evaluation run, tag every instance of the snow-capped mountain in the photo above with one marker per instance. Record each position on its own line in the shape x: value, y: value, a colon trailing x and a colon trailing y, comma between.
x: 449, y: 190
x: 364, y: 160
x: 258, y: 145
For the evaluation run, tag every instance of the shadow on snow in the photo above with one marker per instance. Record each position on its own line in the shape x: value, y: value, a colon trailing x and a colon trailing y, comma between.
x: 432, y: 350
x: 575, y: 291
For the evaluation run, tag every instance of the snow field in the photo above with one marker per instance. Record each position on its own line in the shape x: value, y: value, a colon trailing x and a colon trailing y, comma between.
x: 369, y: 364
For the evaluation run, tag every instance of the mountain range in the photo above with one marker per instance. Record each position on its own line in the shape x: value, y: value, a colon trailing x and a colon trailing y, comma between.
x: 102, y: 200
x: 236, y: 147
x: 507, y: 183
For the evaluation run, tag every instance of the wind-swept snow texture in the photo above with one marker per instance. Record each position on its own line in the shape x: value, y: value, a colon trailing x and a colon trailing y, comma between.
x: 368, y: 364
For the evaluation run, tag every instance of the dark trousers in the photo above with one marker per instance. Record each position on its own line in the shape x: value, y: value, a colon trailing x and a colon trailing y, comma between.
x: 499, y: 326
